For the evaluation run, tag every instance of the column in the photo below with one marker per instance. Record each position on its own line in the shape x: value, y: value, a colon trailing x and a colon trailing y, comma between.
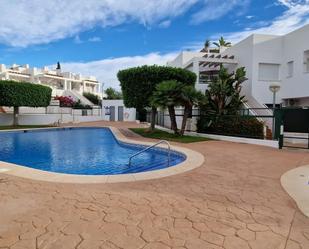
x: 84, y: 86
x: 65, y: 87
x: 196, y: 70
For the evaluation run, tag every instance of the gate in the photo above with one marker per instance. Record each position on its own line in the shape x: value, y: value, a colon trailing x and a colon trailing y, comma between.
x: 292, y: 127
x: 120, y: 113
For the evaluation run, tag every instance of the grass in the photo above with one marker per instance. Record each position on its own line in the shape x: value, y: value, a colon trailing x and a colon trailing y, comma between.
x: 7, y: 127
x: 159, y: 134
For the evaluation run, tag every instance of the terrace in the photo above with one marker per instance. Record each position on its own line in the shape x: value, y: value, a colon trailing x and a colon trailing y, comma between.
x: 233, y: 200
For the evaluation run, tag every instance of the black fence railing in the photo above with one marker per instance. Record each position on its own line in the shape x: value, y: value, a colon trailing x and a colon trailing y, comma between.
x: 244, y: 124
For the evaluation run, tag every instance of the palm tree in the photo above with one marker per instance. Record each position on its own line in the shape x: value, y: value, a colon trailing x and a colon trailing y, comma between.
x: 222, y: 43
x: 206, y: 46
x: 172, y: 93
x: 188, y: 98
x: 224, y: 93
x: 165, y: 96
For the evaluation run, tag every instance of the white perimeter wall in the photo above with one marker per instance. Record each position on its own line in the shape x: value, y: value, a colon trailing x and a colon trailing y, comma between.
x: 129, y: 114
x: 45, y: 119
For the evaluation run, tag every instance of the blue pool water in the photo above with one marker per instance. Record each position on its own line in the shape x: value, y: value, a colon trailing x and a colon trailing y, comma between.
x: 82, y: 151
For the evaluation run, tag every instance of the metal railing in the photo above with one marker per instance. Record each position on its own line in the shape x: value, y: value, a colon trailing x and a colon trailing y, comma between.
x: 154, y: 145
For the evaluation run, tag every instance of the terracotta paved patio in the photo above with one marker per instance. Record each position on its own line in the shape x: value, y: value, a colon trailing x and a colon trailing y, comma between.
x: 233, y: 201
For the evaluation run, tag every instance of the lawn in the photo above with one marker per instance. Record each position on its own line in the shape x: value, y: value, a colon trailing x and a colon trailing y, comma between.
x: 7, y: 127
x: 163, y: 135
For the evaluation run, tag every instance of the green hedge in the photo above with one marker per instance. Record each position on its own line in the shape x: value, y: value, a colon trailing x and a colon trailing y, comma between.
x: 16, y: 94
x: 241, y: 126
x: 138, y: 83
x: 93, y: 98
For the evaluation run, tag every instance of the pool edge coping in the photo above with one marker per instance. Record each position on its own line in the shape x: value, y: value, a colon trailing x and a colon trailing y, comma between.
x: 295, y: 182
x: 193, y: 160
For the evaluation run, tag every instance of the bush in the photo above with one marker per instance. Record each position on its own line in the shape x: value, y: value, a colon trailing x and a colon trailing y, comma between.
x: 111, y: 93
x: 243, y: 126
x: 92, y: 98
x: 79, y: 105
x: 139, y: 83
x: 65, y: 101
x: 17, y: 94
x: 68, y: 101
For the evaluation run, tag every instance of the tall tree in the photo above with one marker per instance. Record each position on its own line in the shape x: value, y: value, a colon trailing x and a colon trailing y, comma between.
x: 222, y: 43
x: 167, y: 96
x: 112, y: 93
x: 138, y: 84
x: 189, y: 97
x: 171, y: 93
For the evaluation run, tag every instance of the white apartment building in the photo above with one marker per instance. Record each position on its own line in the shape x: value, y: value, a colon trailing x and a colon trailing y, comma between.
x: 267, y: 58
x: 62, y: 83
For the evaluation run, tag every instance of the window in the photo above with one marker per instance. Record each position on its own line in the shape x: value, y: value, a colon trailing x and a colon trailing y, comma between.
x: 290, y: 68
x: 269, y: 72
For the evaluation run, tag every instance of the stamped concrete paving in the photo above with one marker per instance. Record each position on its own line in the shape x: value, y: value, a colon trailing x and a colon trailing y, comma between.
x: 233, y: 201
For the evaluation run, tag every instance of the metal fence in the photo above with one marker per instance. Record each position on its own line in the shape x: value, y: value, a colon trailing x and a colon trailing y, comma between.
x: 292, y: 127
x: 244, y: 117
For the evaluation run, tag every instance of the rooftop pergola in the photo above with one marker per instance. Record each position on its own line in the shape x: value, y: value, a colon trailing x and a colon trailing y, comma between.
x: 211, y: 61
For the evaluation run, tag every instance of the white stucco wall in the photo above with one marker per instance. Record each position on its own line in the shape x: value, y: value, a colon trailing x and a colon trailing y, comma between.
x: 266, y: 49
x: 129, y: 114
x: 272, y: 49
x: 243, y: 52
x: 183, y: 58
x: 45, y: 119
x: 275, y: 50
x: 295, y: 44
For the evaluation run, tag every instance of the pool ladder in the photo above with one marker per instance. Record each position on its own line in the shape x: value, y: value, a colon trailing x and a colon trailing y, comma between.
x: 154, y: 145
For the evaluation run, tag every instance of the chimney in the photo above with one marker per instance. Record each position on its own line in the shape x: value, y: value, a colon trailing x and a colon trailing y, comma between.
x: 58, y: 68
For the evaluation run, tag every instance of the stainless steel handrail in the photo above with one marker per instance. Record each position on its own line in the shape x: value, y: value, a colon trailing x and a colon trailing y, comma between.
x: 154, y: 145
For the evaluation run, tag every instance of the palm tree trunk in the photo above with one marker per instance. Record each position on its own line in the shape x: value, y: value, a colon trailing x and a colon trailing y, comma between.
x: 15, y: 116
x: 171, y: 111
x: 153, y: 118
x: 186, y: 114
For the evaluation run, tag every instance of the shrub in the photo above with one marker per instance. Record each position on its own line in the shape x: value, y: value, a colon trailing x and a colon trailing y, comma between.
x: 68, y: 101
x: 65, y: 101
x: 139, y: 83
x: 244, y: 126
x: 92, y: 98
x: 79, y: 105
x: 111, y: 93
x: 17, y: 94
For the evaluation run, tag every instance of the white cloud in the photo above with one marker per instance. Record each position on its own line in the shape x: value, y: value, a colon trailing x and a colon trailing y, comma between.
x: 77, y: 40
x: 295, y: 16
x: 106, y: 70
x: 25, y: 23
x: 94, y: 39
x: 215, y: 9
x: 165, y: 24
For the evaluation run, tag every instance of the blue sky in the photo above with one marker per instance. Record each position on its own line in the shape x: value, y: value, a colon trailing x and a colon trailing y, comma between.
x: 99, y: 37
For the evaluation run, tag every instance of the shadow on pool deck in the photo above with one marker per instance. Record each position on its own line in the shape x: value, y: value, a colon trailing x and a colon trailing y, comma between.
x: 234, y: 200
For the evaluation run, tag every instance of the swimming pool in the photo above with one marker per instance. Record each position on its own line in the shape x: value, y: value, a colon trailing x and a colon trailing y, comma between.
x: 81, y: 151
